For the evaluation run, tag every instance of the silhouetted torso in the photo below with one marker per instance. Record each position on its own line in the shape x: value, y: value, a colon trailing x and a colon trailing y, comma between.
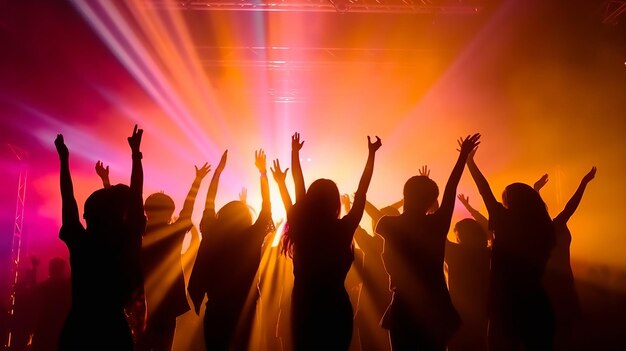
x: 162, y: 246
x: 468, y: 281
x: 225, y: 270
x: 321, y: 309
x: 560, y: 286
x: 375, y: 294
x: 103, y: 280
x: 518, y: 302
x: 414, y: 256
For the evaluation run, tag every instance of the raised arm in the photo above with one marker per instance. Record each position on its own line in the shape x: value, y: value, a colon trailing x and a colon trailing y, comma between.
x: 189, y: 256
x: 467, y: 145
x: 69, y: 208
x: 187, y: 210
x: 483, y: 186
x: 573, y: 203
x: 478, y: 217
x: 373, y: 212
x: 298, y: 177
x: 212, y: 192
x: 356, y: 212
x: 103, y: 173
x: 260, y: 161
x: 279, y: 177
x: 541, y: 182
x: 136, y: 176
x: 346, y: 203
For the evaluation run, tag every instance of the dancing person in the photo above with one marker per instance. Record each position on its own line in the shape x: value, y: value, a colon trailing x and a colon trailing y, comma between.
x: 468, y: 263
x: 476, y: 215
x: 166, y: 295
x: 520, y: 315
x: 375, y: 294
x: 559, y: 278
x: 285, y: 268
x: 321, y: 247
x: 104, y: 256
x: 421, y: 315
x: 227, y: 263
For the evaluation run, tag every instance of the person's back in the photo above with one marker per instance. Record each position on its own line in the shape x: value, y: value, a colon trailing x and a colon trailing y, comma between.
x: 520, y: 315
x: 161, y: 250
x: 321, y: 247
x: 468, y: 279
x: 559, y: 278
x: 323, y: 258
x: 104, y: 256
x: 414, y: 255
x: 227, y: 263
x: 102, y: 281
x: 421, y: 314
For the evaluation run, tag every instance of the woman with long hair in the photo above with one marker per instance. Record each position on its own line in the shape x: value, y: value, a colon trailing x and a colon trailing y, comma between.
x: 520, y: 315
x: 227, y: 263
x: 320, y: 244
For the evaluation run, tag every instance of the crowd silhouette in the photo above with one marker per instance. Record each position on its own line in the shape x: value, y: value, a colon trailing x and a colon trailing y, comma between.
x: 505, y: 283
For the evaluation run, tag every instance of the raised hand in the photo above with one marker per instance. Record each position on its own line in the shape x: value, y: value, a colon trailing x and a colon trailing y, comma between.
x: 101, y: 171
x: 202, y: 171
x: 260, y: 161
x: 375, y: 145
x: 464, y: 199
x: 296, y: 145
x: 279, y: 176
x: 541, y: 182
x: 469, y: 144
x: 345, y: 201
x: 222, y: 164
x: 62, y: 150
x: 424, y: 171
x: 243, y: 195
x: 135, y: 139
x: 589, y: 176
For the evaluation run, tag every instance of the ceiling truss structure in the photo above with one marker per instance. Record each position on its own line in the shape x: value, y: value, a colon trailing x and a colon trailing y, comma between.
x: 444, y: 7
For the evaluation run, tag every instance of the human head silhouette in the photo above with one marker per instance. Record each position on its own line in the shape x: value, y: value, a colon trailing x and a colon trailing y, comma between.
x: 107, y: 208
x: 420, y: 193
x: 159, y: 208
x: 322, y: 199
x: 469, y: 232
x: 522, y: 198
x: 233, y: 217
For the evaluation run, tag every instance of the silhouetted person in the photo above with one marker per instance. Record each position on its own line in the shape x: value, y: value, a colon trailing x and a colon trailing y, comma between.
x: 559, y: 278
x: 520, y: 316
x: 421, y: 315
x: 478, y: 217
x: 166, y: 295
x: 135, y: 309
x: 227, y: 263
x: 24, y: 311
x: 53, y: 301
x: 321, y: 247
x: 468, y: 281
x: 375, y: 295
x: 283, y: 326
x: 104, y: 257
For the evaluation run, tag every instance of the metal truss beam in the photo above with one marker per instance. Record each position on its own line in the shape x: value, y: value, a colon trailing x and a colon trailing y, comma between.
x: 357, y: 6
